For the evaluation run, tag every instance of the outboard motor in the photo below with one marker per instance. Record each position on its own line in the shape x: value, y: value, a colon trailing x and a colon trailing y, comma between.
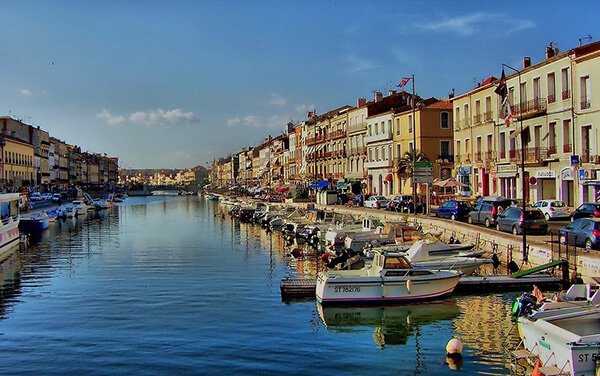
x: 524, y: 305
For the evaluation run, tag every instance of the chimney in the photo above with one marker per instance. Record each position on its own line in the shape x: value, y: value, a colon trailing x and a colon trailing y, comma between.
x: 526, y: 62
x: 549, y: 52
x: 361, y: 102
x: 391, y: 92
x: 378, y: 96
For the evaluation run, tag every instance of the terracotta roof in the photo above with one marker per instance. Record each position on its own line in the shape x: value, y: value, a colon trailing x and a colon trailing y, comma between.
x: 444, y: 105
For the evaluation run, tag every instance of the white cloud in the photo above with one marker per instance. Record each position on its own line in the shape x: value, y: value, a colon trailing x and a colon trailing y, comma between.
x: 151, y: 118
x: 477, y: 22
x: 252, y: 121
x: 357, y: 64
x: 109, y: 118
x: 162, y: 117
x: 277, y: 100
x: 234, y: 121
x: 26, y: 93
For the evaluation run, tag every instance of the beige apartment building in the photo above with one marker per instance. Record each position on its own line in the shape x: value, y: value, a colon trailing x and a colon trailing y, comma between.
x: 551, y: 102
x: 356, y: 151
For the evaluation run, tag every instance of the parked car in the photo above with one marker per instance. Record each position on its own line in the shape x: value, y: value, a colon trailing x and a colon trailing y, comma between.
x: 376, y: 202
x: 512, y: 220
x: 553, y: 208
x: 35, y: 196
x: 454, y: 209
x: 359, y: 199
x: 401, y: 203
x: 582, y: 232
x: 586, y: 210
x: 487, y: 209
x: 56, y: 197
x: 47, y: 196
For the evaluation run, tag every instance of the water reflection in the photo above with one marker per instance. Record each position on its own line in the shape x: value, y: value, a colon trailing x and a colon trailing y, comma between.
x: 392, y: 325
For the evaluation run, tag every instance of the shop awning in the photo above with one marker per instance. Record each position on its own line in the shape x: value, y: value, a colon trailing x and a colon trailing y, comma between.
x: 389, y: 177
x: 591, y: 182
x: 321, y: 184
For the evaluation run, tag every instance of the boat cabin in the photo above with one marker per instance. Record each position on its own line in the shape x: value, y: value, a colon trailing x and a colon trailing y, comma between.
x: 394, y: 264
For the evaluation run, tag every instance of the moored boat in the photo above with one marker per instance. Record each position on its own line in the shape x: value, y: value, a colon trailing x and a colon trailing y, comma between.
x: 565, y: 342
x: 9, y: 223
x: 34, y: 222
x: 390, y: 278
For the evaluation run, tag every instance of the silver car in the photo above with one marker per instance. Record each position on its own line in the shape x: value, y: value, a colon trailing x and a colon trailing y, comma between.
x: 553, y: 209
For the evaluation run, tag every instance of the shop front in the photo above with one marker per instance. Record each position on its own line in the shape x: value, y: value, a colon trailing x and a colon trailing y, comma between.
x: 567, y: 191
x: 546, y: 185
x: 507, y: 180
x: 588, y: 178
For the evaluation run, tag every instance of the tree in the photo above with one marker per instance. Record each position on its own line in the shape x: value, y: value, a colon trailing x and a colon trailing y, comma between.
x: 404, y: 165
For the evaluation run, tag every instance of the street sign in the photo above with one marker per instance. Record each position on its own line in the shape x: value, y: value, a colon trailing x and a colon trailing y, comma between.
x: 574, y: 160
x: 423, y: 172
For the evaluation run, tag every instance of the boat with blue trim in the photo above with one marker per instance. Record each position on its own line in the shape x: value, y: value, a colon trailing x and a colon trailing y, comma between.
x: 390, y: 278
x: 34, y: 222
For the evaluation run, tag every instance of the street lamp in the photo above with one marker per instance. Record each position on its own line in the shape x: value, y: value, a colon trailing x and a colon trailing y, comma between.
x: 523, y: 180
x: 414, y: 158
x: 315, y: 158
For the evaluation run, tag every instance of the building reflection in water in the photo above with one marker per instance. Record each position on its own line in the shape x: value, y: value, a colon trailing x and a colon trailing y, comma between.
x: 485, y: 326
x: 392, y: 325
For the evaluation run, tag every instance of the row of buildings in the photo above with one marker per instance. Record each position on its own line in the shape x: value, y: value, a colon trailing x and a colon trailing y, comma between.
x: 548, y: 150
x: 30, y: 157
x: 158, y: 177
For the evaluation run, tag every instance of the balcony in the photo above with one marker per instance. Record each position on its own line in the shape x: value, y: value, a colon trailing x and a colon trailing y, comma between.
x: 362, y: 150
x: 567, y: 148
x: 585, y: 103
x: 379, y: 164
x: 566, y: 94
x: 446, y: 157
x: 530, y: 108
x: 503, y: 154
x: 384, y: 136
x: 337, y: 134
x: 477, y: 119
x: 512, y: 155
x: 552, y: 149
x: 357, y: 127
x: 551, y: 98
x: 487, y: 116
x: 489, y: 155
x: 478, y: 157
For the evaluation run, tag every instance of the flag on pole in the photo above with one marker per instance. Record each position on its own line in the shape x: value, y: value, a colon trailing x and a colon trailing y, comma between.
x: 404, y: 82
x: 505, y: 112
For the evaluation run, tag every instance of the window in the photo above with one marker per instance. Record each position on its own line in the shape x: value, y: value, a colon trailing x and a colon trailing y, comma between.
x: 586, y: 92
x: 445, y: 149
x: 457, y: 117
x: 566, y: 87
x: 466, y: 113
x: 552, y: 138
x: 390, y: 127
x: 399, y: 151
x: 536, y: 89
x: 398, y: 126
x: 551, y: 88
x: 410, y: 124
x: 444, y: 116
x: 567, y: 136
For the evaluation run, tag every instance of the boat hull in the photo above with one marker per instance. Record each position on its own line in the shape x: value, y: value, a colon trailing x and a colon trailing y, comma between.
x: 34, y: 224
x: 553, y: 341
x: 332, y: 290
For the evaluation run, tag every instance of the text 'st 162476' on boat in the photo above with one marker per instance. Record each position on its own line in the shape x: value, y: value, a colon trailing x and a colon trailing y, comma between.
x: 390, y: 278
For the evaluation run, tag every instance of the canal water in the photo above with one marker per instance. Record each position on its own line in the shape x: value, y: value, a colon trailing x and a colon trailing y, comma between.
x: 168, y: 286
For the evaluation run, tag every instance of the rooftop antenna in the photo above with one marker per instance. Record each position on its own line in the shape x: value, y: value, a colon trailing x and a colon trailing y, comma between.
x: 587, y: 37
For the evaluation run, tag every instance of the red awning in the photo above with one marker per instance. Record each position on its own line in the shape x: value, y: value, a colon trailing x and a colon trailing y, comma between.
x: 282, y: 189
x: 389, y: 177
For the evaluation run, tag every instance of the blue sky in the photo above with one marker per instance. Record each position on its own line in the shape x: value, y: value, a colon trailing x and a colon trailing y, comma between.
x: 174, y: 84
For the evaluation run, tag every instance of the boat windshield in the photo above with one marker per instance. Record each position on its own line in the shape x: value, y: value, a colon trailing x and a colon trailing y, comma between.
x: 396, y: 262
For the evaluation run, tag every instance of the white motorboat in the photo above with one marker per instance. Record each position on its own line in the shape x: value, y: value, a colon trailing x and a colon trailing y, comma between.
x: 567, y: 342
x: 390, y: 278
x: 577, y: 297
x: 80, y: 207
x: 391, y: 232
x: 9, y: 223
x: 441, y: 256
x: 337, y: 232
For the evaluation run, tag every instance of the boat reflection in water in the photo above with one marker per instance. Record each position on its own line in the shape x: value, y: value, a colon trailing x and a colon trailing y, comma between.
x: 393, y: 324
